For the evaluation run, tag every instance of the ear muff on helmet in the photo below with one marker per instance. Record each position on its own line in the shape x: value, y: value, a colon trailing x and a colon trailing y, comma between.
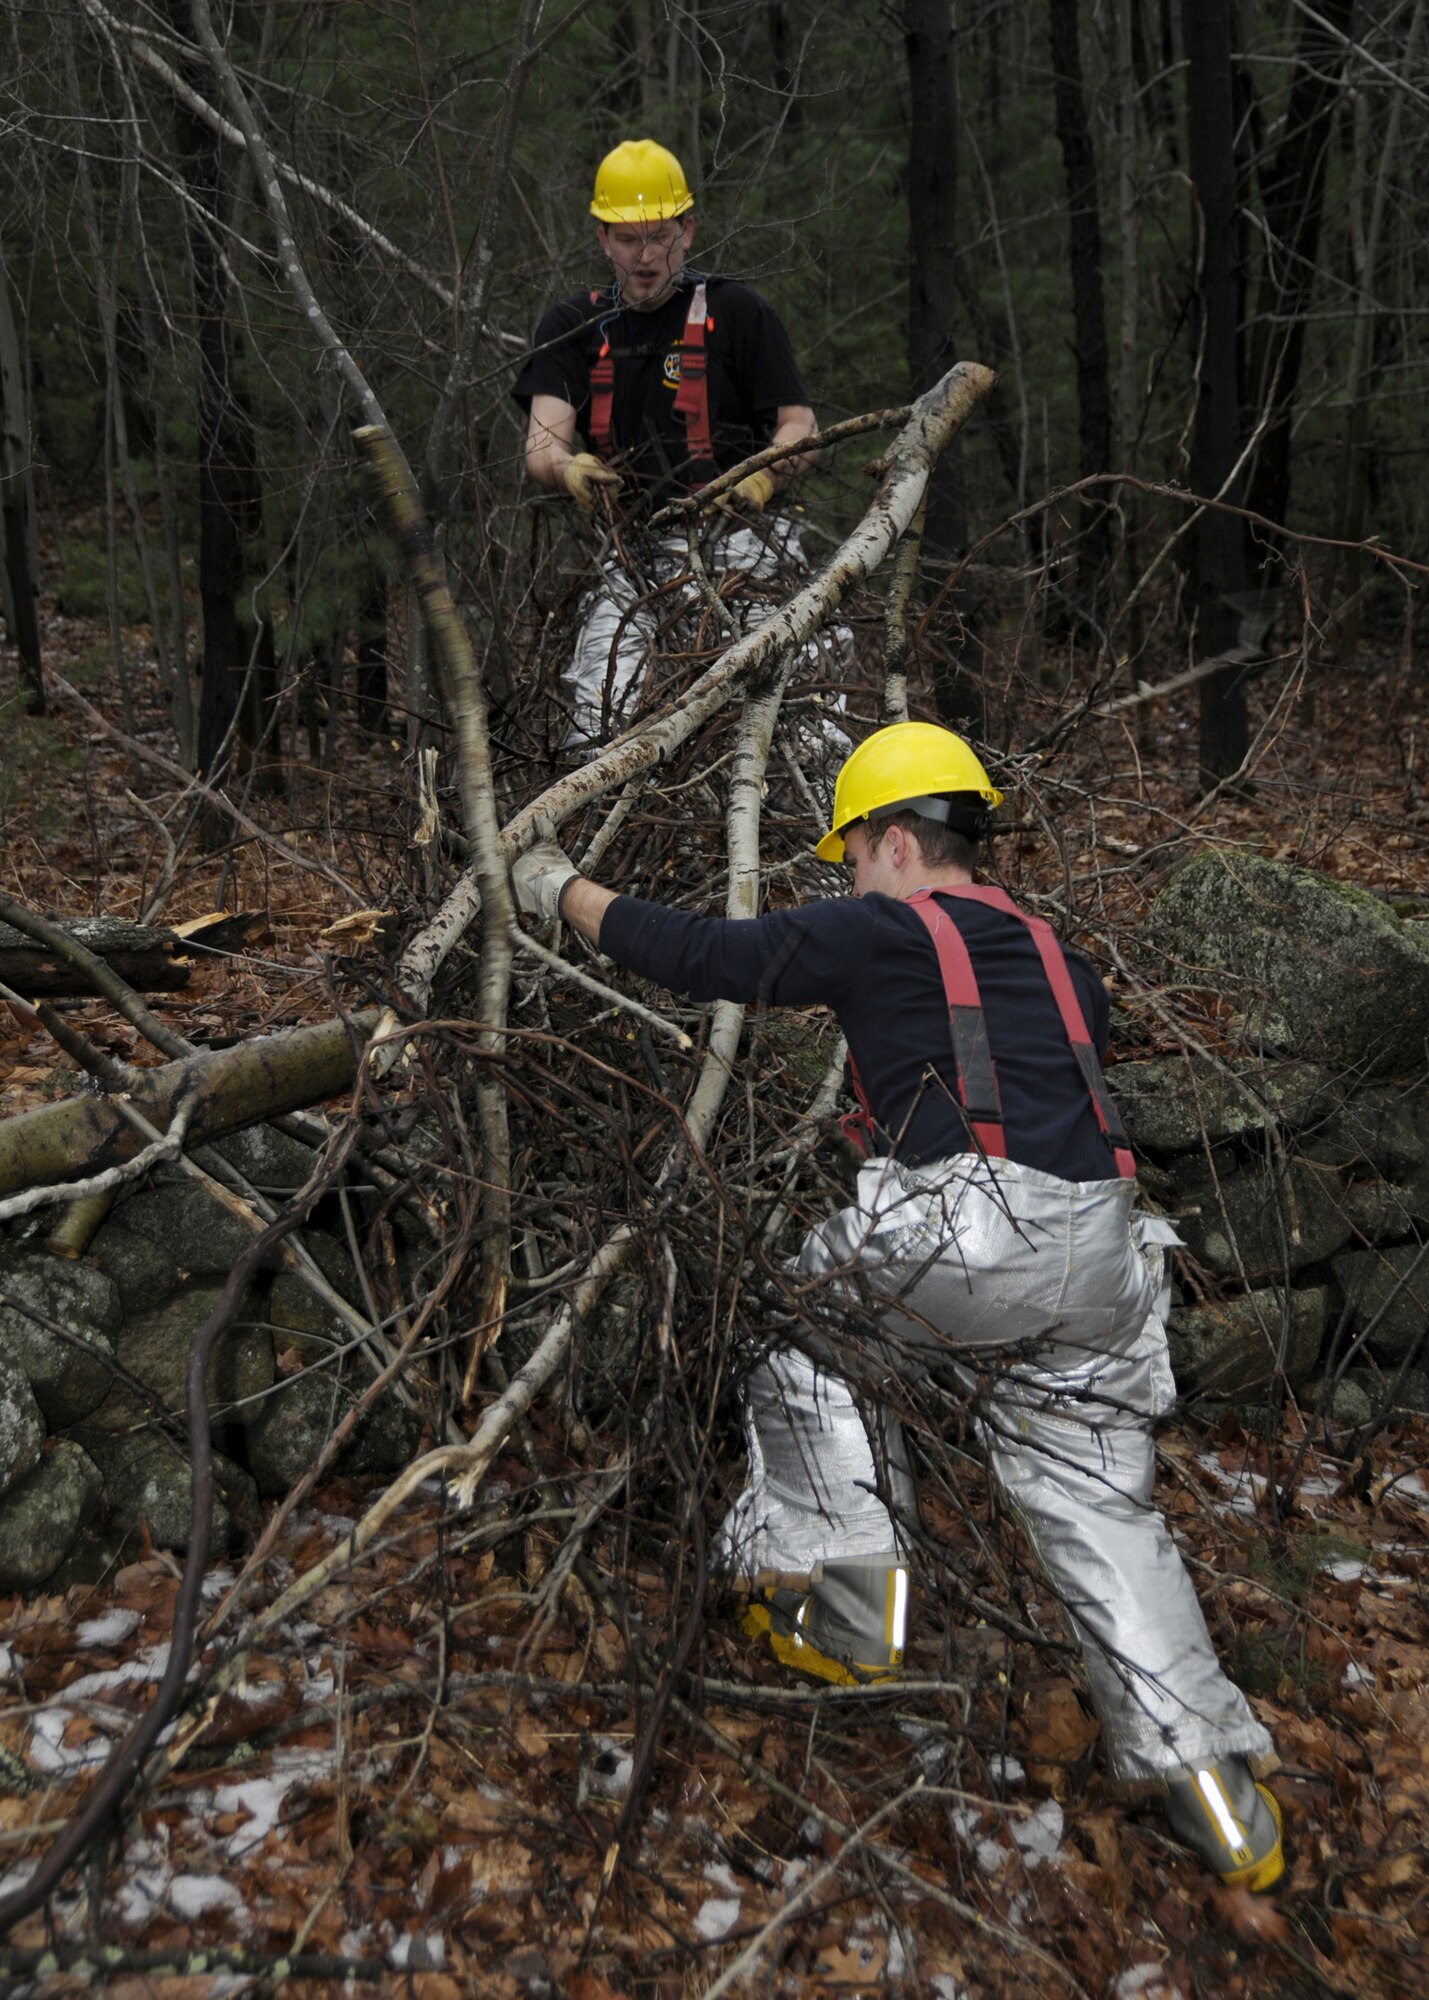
x: 960, y: 812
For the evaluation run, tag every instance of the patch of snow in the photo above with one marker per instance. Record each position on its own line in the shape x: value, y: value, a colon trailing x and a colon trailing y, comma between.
x: 9, y: 1663
x: 1344, y: 1569
x: 990, y: 1854
x: 611, y: 1768
x: 1005, y: 1770
x: 138, y: 1895
x: 721, y: 1875
x: 812, y: 1831
x: 145, y: 1666
x: 47, y: 1745
x: 716, y: 1917
x: 794, y: 1872
x: 1040, y: 1834
x: 191, y: 1895
x: 1356, y: 1676
x: 262, y: 1798
x: 422, y: 1951
x: 108, y: 1630
x: 216, y: 1581
x: 897, y: 1962
x: 1318, y: 1486
x: 1147, y: 1981
x: 946, y: 1987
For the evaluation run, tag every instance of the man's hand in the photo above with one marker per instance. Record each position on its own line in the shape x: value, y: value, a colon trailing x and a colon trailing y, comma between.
x: 753, y: 494
x: 540, y: 874
x: 585, y: 476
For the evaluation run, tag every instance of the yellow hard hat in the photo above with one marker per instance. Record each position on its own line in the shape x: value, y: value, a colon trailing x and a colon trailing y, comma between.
x: 911, y: 764
x: 640, y: 181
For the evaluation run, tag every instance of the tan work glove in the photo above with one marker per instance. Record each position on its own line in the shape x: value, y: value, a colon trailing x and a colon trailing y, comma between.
x: 752, y: 495
x: 585, y: 475
x: 539, y: 875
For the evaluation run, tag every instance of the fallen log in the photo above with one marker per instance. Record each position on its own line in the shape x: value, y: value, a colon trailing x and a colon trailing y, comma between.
x: 145, y: 956
x: 225, y: 1088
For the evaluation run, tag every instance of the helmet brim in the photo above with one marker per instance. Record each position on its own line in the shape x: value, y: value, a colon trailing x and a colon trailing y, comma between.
x: 642, y: 211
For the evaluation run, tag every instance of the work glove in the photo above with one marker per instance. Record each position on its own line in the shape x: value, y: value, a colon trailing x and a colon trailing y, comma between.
x: 585, y: 475
x: 752, y: 495
x: 539, y: 875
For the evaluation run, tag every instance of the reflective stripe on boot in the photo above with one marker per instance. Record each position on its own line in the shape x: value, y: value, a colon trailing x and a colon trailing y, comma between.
x: 1232, y: 1822
x: 848, y: 1627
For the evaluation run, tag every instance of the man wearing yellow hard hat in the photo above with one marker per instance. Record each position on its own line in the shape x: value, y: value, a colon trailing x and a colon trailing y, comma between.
x: 644, y: 388
x: 995, y: 1237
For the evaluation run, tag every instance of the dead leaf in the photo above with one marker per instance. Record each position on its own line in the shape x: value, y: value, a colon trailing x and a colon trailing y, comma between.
x: 1059, y: 1731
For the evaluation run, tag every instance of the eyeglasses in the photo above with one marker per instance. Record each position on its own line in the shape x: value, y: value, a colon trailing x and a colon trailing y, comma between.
x: 635, y: 236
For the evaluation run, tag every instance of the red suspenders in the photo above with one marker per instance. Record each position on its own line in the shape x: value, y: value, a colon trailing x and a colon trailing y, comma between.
x: 602, y: 387
x: 976, y: 1073
x: 692, y: 398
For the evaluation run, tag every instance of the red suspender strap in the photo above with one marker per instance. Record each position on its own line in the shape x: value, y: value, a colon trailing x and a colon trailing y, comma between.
x: 977, y: 1078
x: 602, y: 388
x: 1054, y: 965
x: 692, y: 398
x: 857, y: 1126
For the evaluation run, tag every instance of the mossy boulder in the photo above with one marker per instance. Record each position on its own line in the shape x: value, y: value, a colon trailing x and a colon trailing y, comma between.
x: 188, y: 1223
x: 1180, y: 1104
x: 1317, y: 968
x: 148, y: 1481
x: 301, y: 1320
x: 155, y: 1347
x: 142, y: 1270
x: 290, y: 1428
x: 1263, y: 1221
x: 1236, y: 1345
x: 41, y: 1517
x: 66, y: 1369
x: 1386, y: 1290
x: 22, y: 1428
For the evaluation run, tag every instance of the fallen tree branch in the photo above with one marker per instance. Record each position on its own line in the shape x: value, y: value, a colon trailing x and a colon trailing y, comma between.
x: 229, y: 1088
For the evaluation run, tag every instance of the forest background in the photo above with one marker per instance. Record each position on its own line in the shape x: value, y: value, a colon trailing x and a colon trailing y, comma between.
x: 1187, y: 238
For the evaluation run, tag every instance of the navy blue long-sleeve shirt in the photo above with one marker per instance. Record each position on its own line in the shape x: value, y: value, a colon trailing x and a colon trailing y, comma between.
x: 873, y: 963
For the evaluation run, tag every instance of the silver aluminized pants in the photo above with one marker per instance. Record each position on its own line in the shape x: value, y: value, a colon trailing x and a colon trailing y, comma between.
x: 622, y: 620
x: 1060, y: 1282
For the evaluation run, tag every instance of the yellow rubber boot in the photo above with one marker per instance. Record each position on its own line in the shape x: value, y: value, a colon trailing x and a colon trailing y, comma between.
x: 1232, y: 1822
x: 847, y: 1628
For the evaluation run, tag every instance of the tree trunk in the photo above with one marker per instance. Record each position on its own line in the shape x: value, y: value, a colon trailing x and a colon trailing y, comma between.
x: 929, y: 39
x: 1352, y: 478
x: 1088, y: 305
x: 1217, y: 571
x: 1294, y: 194
x: 220, y: 537
x: 19, y: 563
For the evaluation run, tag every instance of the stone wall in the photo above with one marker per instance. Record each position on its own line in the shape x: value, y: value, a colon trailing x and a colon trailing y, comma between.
x: 93, y: 1358
x: 1292, y: 1149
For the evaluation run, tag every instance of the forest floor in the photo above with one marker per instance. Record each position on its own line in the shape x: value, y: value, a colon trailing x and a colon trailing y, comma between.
x: 431, y: 1775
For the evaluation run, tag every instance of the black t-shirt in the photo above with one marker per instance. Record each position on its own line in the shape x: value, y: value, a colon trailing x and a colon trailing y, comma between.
x: 872, y: 961
x: 750, y: 366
